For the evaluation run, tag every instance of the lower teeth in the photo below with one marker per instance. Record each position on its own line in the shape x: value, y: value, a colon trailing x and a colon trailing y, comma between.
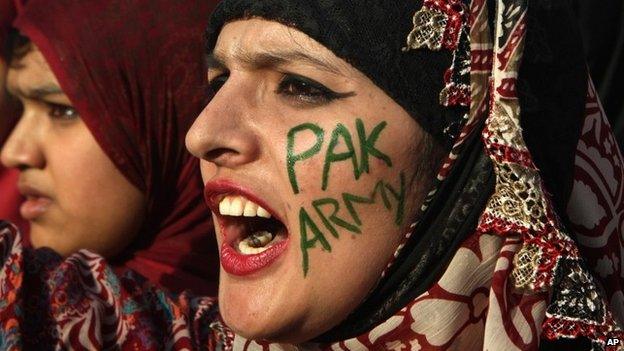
x: 256, y: 242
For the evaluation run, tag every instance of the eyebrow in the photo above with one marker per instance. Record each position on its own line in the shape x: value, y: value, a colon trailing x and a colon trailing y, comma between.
x: 37, y: 93
x: 270, y: 59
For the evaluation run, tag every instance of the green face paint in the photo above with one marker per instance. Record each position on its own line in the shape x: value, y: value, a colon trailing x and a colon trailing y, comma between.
x: 382, y: 194
x: 306, y: 222
x: 367, y: 148
x: 367, y: 145
x: 292, y: 158
x: 333, y: 218
x: 342, y: 212
x: 331, y: 156
x: 399, y: 196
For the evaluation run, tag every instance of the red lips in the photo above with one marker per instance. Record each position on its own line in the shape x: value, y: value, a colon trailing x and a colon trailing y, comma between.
x: 236, y: 263
x: 233, y: 261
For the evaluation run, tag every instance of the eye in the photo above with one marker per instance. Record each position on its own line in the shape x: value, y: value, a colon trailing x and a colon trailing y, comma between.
x: 62, y: 112
x: 307, y: 91
x: 217, y: 82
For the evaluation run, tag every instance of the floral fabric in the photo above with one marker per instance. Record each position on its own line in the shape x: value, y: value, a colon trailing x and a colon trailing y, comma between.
x: 79, y: 303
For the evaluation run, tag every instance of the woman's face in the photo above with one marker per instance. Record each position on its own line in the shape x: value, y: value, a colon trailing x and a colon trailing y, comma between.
x: 297, y: 134
x: 75, y: 196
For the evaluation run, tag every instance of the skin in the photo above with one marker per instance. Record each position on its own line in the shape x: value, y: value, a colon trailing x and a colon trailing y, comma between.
x: 242, y: 136
x: 93, y: 206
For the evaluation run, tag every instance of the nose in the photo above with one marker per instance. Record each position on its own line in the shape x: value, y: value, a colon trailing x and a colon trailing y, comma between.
x: 222, y: 133
x: 22, y: 149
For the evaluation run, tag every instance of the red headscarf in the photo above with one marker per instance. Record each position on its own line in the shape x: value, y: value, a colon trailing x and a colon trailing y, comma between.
x: 133, y: 70
x: 7, y: 12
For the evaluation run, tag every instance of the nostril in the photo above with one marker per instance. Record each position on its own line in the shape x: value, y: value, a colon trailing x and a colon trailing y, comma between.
x: 220, y: 154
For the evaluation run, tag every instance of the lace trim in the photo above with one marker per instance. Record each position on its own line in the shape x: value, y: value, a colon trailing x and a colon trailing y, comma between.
x: 429, y: 27
x: 440, y: 25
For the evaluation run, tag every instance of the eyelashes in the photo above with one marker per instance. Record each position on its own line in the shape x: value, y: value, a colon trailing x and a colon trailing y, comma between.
x: 308, y: 91
x: 293, y: 87
x: 62, y: 112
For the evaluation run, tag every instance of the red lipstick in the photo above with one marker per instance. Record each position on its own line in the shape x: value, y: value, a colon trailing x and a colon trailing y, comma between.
x: 232, y: 230
x: 236, y: 263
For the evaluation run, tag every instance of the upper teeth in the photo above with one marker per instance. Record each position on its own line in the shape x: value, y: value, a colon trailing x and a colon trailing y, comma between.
x: 240, y: 206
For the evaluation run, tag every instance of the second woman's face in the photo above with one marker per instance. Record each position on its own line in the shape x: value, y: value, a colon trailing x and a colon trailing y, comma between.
x: 298, y: 135
x: 75, y: 196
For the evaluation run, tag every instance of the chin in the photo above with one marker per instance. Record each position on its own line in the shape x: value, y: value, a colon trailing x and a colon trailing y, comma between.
x: 46, y: 236
x: 250, y: 325
x: 38, y: 243
x: 40, y: 236
x: 274, y: 331
x: 258, y: 319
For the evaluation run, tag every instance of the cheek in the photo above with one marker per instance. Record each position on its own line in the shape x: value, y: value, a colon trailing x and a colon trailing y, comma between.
x: 95, y: 197
x: 81, y: 171
x: 359, y: 223
x: 208, y: 170
x: 352, y: 209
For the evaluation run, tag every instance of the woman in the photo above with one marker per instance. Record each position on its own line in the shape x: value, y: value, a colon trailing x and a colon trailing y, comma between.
x: 341, y: 109
x: 101, y: 164
x: 108, y: 90
x: 97, y: 144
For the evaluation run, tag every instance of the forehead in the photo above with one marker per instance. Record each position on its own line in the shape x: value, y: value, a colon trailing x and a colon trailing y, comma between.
x: 29, y: 71
x: 258, y: 32
x: 252, y: 40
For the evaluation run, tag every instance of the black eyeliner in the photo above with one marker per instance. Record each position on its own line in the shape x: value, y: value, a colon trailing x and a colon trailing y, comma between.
x: 316, y: 85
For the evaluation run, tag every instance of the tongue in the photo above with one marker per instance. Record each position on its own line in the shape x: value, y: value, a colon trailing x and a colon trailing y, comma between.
x: 256, y: 243
x: 262, y: 233
x: 260, y: 238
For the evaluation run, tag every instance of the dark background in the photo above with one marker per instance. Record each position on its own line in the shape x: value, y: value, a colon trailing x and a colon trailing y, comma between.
x: 602, y: 25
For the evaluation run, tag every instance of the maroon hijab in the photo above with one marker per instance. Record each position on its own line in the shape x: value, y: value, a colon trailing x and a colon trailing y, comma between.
x: 133, y: 70
x: 7, y: 12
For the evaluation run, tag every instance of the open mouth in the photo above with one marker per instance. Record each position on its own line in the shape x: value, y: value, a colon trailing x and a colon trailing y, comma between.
x: 253, y: 236
x: 250, y: 228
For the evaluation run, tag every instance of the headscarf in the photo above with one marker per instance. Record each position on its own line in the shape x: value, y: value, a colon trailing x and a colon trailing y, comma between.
x: 369, y: 42
x: 133, y: 70
x: 7, y: 13
x: 518, y: 88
